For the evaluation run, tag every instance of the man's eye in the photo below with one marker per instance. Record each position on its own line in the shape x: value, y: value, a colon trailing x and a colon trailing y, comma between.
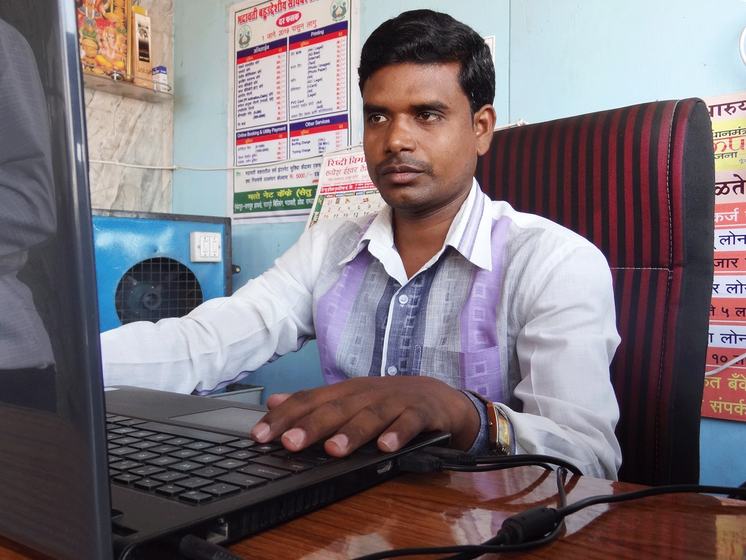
x: 429, y: 117
x: 376, y: 118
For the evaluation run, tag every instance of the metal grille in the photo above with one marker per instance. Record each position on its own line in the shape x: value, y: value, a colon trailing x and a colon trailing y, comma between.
x: 156, y: 289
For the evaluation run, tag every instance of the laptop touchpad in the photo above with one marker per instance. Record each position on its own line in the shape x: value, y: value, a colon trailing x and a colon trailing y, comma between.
x: 233, y: 419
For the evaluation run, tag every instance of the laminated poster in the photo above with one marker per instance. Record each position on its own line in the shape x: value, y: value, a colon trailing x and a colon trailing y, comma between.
x: 345, y: 189
x: 725, y: 380
x: 290, y: 89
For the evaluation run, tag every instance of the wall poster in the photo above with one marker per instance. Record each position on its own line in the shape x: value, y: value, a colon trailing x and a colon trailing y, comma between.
x: 725, y: 381
x: 291, y: 89
x: 345, y: 189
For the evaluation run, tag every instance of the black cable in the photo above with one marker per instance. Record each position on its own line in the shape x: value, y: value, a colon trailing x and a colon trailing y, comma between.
x: 510, y: 459
x: 440, y: 458
x: 496, y: 466
x: 514, y: 529
x: 653, y: 491
x: 560, y: 479
x: 540, y: 525
x: 561, y: 473
x: 523, y: 531
x: 199, y: 549
x: 419, y: 462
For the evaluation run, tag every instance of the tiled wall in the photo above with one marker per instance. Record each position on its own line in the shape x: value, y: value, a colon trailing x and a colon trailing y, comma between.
x: 134, y: 132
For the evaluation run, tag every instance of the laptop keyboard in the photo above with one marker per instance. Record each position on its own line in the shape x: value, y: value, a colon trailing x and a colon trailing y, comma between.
x: 195, y: 466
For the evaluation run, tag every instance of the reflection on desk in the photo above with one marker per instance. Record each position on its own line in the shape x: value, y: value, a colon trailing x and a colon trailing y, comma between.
x: 469, y: 508
x: 449, y: 508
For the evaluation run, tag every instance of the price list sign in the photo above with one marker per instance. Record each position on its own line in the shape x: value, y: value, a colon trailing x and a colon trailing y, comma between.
x: 290, y: 85
x: 725, y: 383
x: 260, y: 84
x: 318, y: 64
x: 264, y: 145
x: 317, y: 136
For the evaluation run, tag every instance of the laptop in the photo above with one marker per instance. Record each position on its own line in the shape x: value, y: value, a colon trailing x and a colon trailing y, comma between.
x: 121, y: 472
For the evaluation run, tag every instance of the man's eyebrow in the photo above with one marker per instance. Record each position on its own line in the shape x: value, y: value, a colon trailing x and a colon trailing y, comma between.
x: 417, y: 107
x: 370, y: 108
x: 430, y: 106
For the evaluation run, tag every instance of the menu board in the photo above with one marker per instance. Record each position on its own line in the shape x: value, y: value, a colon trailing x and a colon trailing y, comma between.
x: 290, y: 84
x: 725, y: 381
x: 260, y: 84
x: 316, y: 136
x: 318, y: 66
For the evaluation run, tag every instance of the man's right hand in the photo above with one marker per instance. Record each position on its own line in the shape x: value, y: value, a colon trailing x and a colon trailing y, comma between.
x: 349, y: 414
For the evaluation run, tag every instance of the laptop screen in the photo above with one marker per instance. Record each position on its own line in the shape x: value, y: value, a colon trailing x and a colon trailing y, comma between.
x: 54, y: 490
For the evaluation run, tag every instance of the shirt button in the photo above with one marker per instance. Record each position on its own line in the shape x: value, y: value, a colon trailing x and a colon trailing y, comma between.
x: 391, y: 370
x: 403, y: 299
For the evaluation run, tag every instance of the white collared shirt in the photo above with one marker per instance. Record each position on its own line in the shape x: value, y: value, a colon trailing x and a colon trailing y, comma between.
x: 514, y: 307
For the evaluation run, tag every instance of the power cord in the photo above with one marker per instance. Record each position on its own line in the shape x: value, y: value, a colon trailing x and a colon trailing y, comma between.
x: 534, y: 527
x: 433, y: 459
x: 199, y: 549
x: 529, y: 529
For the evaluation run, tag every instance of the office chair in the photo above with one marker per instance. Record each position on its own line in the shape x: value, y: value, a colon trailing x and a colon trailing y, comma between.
x: 639, y: 183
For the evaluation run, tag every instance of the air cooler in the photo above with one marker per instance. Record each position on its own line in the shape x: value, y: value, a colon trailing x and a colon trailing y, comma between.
x: 150, y: 266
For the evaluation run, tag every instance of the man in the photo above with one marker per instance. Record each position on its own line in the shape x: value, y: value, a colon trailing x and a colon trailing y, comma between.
x: 27, y: 203
x: 445, y: 311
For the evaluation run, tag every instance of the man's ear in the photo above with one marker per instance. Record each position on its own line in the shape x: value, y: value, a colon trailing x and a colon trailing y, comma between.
x: 484, y: 125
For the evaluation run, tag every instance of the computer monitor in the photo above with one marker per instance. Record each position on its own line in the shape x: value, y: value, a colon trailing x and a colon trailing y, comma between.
x: 54, y: 489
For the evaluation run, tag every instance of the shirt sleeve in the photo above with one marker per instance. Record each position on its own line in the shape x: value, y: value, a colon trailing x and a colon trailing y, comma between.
x: 27, y: 211
x: 564, y: 349
x: 223, y: 339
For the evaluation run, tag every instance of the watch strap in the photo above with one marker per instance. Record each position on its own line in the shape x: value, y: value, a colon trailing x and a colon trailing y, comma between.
x: 500, y: 433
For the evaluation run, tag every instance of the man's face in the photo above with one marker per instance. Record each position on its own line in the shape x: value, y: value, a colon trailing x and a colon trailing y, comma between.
x: 421, y: 143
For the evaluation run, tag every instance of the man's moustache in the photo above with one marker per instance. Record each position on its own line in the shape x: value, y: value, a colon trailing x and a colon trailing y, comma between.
x: 402, y: 163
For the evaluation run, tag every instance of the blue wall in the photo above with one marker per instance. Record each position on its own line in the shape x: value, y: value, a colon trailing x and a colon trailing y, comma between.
x: 571, y: 57
x: 554, y: 58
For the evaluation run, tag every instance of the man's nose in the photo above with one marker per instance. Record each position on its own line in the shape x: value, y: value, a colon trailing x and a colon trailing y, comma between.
x: 400, y: 136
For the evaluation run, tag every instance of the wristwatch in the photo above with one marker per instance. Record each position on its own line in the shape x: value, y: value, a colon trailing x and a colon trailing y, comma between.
x: 499, y: 426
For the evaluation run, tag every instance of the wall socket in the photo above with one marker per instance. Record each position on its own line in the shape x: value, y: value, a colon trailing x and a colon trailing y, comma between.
x: 205, y: 246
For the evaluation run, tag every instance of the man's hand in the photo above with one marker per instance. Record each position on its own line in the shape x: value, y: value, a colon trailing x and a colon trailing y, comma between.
x: 353, y: 412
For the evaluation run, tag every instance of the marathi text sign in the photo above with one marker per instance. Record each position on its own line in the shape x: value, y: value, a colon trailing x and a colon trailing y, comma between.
x: 725, y: 390
x: 290, y: 86
x: 345, y: 189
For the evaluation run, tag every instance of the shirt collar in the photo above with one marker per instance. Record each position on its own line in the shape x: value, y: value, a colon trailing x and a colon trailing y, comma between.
x: 469, y: 234
x: 471, y: 231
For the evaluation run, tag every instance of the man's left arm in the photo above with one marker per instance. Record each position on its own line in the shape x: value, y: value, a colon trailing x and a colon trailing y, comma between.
x: 564, y: 351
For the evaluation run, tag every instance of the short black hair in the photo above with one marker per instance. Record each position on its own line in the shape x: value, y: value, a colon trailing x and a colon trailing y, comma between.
x: 428, y: 37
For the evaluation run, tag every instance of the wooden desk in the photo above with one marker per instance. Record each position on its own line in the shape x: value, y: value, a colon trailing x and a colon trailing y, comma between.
x: 468, y: 508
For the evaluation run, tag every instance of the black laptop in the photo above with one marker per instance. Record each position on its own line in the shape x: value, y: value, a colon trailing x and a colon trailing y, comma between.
x: 88, y: 473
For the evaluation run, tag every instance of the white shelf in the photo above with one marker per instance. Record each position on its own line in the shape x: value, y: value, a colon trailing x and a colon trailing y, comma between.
x: 125, y: 89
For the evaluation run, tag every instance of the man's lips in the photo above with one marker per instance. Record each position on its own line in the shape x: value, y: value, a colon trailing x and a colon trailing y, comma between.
x: 401, y: 177
x: 400, y: 173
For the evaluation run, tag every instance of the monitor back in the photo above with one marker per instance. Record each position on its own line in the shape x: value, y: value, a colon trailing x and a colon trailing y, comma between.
x: 54, y: 490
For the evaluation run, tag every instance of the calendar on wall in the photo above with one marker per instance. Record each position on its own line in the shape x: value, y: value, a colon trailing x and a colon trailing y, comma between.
x: 345, y: 190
